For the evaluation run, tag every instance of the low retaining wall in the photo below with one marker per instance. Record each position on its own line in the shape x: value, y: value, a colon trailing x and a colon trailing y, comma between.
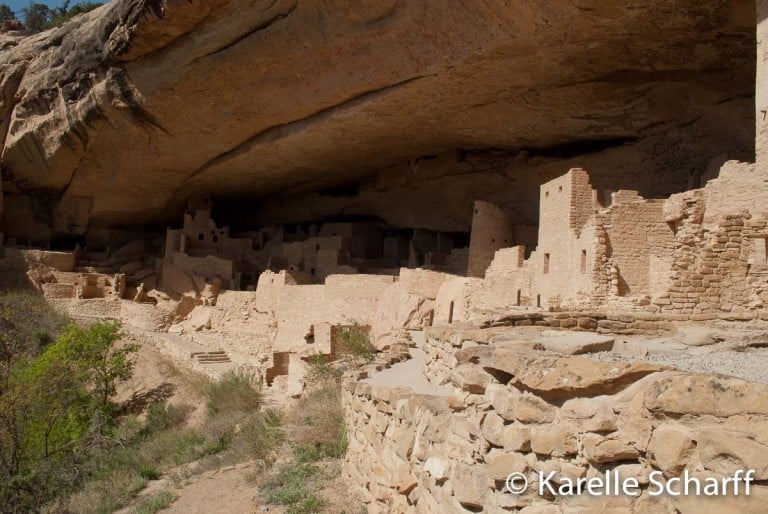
x: 615, y: 322
x: 535, y: 413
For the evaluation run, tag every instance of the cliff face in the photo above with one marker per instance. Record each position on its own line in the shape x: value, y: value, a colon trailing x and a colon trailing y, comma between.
x: 116, y: 118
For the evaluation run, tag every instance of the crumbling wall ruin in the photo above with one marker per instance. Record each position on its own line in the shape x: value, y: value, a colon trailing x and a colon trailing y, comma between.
x: 697, y: 252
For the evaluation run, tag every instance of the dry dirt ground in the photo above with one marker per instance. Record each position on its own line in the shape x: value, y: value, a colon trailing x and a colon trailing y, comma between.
x: 230, y: 489
x: 157, y: 378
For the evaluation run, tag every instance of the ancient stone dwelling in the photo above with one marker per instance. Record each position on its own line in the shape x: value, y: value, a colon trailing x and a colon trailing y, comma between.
x: 504, y: 185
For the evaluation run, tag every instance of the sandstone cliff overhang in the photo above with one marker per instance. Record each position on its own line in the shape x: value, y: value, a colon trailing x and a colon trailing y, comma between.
x: 117, y: 117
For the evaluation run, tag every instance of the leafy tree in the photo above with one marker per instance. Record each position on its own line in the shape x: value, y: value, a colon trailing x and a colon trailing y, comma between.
x: 104, y: 364
x: 27, y: 325
x: 53, y: 406
x: 6, y: 13
x: 64, y: 13
x: 37, y: 17
x: 80, y: 8
x: 56, y: 399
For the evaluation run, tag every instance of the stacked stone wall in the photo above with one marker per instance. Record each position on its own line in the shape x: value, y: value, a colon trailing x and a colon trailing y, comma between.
x: 533, y: 413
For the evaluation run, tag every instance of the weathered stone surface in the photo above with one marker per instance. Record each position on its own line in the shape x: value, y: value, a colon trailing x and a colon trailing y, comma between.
x: 200, y: 89
x: 404, y: 439
x: 699, y: 335
x: 587, y: 323
x: 471, y: 378
x: 200, y: 318
x: 670, y: 448
x: 528, y: 408
x: 517, y: 437
x: 707, y: 395
x: 642, y: 348
x: 438, y: 467
x: 577, y: 343
x: 558, y: 440
x: 501, y: 463
x: 724, y: 451
x: 470, y: 485
x: 493, y: 429
x: 561, y: 378
x: 599, y: 449
x: 595, y: 414
x: 396, y: 311
x: 502, y: 399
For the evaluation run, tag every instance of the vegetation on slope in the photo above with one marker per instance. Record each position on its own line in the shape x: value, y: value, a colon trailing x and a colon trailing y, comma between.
x: 316, y: 431
x: 164, y: 446
x: 56, y: 380
x: 67, y: 446
x: 36, y: 16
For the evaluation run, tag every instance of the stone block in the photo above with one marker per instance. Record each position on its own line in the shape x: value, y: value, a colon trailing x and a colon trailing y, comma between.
x: 500, y: 397
x: 557, y: 440
x: 577, y: 343
x: 561, y: 378
x: 404, y: 438
x: 587, y: 323
x: 600, y: 450
x: 470, y: 485
x: 725, y: 451
x: 707, y: 395
x: 493, y: 428
x: 528, y: 408
x: 499, y: 464
x: 471, y: 378
x: 517, y: 438
x: 438, y: 467
x: 670, y: 448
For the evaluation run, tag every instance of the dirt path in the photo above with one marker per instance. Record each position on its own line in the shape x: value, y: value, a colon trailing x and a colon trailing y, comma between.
x: 410, y: 373
x: 225, y: 490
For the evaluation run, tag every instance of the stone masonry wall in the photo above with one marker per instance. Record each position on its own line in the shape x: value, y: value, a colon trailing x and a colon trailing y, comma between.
x: 517, y: 410
x: 492, y: 229
x: 636, y: 231
x: 715, y: 264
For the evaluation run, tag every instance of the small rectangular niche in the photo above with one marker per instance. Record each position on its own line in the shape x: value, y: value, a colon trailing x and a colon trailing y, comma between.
x: 583, y: 262
x: 546, y: 263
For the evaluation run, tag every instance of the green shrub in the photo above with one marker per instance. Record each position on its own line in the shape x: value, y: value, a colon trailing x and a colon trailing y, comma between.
x: 55, y: 408
x: 321, y: 369
x: 312, y: 504
x: 294, y: 486
x: 162, y: 416
x: 175, y: 447
x: 27, y: 324
x: 320, y: 430
x: 354, y: 342
x: 262, y: 433
x: 148, y: 472
x: 234, y: 393
x: 129, y: 428
x: 156, y: 503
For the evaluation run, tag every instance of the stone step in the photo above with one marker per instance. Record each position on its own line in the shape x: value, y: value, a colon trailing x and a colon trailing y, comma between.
x: 212, y: 353
x: 210, y: 357
x: 213, y: 359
